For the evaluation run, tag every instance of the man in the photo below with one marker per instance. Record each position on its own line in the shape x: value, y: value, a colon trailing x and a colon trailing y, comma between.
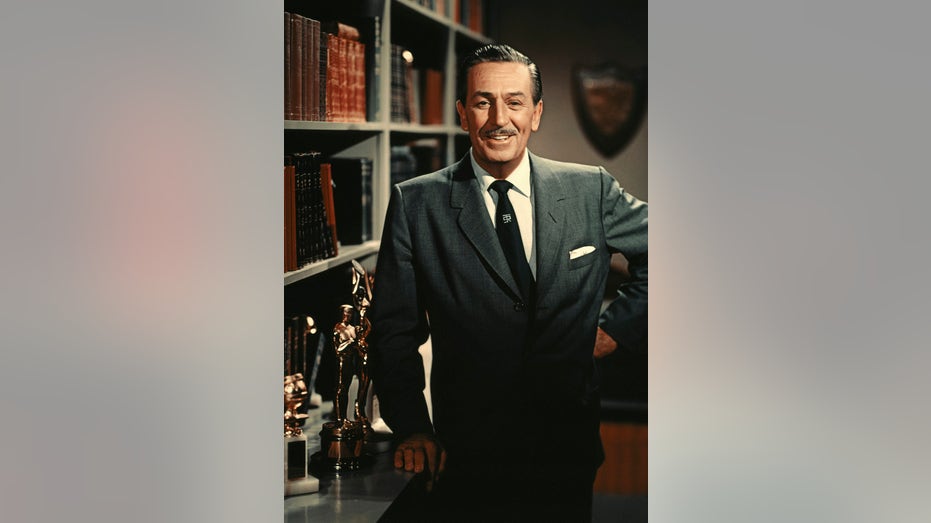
x: 508, y: 281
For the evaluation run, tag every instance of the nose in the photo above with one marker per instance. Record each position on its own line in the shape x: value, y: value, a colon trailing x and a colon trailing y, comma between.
x: 499, y: 115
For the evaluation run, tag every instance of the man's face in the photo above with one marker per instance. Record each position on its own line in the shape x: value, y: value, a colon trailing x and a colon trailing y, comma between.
x: 499, y: 113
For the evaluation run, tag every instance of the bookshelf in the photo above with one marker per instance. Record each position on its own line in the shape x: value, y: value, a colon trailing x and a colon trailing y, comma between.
x: 435, y: 33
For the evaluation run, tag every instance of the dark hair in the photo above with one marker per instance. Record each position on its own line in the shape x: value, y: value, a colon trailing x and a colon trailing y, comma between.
x: 497, y: 53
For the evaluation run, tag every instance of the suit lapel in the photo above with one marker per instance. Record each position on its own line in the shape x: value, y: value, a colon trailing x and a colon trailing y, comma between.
x: 465, y: 195
x: 549, y: 215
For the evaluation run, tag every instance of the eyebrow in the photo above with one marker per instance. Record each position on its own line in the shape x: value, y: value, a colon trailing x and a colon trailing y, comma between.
x: 486, y: 94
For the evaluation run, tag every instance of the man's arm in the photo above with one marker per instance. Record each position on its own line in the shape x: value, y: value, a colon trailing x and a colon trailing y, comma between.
x: 624, y: 322
x: 399, y: 328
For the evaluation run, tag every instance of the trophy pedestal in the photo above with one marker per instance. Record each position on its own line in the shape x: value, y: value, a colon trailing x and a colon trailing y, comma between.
x: 296, y: 479
x: 341, y: 448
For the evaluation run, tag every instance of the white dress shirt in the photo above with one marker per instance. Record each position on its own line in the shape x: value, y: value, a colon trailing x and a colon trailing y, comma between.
x: 521, y: 199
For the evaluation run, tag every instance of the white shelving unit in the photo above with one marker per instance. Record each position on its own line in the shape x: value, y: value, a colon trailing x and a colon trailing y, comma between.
x: 423, y: 31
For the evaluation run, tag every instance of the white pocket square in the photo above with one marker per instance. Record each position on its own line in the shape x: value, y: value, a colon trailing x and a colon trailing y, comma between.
x: 581, y: 251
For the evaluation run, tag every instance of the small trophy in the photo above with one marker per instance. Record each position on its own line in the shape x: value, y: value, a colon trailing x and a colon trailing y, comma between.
x: 342, y: 439
x: 297, y: 481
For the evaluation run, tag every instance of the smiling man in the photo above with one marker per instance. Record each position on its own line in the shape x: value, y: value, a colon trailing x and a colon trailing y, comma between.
x: 502, y: 259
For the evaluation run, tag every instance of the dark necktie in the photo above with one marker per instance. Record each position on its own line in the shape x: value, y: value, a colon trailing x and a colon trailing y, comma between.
x: 509, y: 236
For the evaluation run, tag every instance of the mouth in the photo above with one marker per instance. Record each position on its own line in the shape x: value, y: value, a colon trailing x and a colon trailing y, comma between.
x: 500, y: 136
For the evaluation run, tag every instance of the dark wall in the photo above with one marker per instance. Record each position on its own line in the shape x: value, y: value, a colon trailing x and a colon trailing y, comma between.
x: 558, y: 35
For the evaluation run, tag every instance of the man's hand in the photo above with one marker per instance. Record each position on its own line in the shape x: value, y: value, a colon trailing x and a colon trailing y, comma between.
x: 419, y: 451
x: 604, y: 344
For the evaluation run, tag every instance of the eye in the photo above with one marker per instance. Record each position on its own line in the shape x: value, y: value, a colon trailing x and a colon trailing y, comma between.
x: 515, y: 103
x: 482, y: 104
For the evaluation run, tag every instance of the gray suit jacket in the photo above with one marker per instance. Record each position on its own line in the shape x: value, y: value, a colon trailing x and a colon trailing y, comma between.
x: 508, y: 377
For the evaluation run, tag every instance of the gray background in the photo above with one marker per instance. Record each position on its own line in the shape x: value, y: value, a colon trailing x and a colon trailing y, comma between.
x: 142, y: 290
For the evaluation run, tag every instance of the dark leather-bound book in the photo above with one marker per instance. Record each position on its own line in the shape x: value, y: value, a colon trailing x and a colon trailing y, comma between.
x: 290, y: 244
x: 352, y: 194
x: 296, y: 59
x: 323, y: 95
x: 287, y: 65
x: 314, y: 71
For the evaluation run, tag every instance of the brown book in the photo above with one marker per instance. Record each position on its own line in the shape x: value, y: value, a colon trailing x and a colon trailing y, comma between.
x: 323, y: 64
x: 432, y: 107
x: 332, y: 77
x: 360, y: 81
x: 297, y: 46
x: 287, y: 65
x: 314, y: 87
x: 286, y: 225
x: 475, y: 15
x: 306, y: 64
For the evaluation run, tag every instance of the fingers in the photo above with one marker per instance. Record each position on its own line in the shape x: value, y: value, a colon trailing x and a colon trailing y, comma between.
x: 420, y: 452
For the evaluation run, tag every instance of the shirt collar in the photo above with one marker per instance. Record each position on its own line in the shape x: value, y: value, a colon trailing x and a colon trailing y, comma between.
x: 520, y: 177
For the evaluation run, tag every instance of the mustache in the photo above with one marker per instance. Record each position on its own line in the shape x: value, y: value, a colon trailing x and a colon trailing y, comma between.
x: 501, y: 132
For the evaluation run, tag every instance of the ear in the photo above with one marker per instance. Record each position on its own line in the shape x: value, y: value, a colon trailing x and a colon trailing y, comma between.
x: 537, y: 114
x: 463, y: 121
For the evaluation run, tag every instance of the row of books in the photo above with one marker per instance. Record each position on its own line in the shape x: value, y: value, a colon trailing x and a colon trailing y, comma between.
x: 326, y: 203
x: 324, y: 71
x: 469, y: 13
x: 416, y: 93
x: 415, y: 158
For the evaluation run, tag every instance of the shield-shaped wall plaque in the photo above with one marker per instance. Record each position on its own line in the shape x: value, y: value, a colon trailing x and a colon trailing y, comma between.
x: 610, y: 101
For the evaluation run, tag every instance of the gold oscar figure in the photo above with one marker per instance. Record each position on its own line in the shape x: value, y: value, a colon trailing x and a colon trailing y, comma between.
x: 342, y: 439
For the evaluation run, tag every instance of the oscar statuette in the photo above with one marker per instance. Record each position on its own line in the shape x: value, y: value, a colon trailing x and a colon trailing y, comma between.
x: 342, y: 439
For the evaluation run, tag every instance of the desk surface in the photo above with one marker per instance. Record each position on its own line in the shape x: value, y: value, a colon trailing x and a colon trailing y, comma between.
x: 362, y: 495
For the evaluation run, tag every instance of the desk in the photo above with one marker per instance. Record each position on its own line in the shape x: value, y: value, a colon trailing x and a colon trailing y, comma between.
x: 362, y: 495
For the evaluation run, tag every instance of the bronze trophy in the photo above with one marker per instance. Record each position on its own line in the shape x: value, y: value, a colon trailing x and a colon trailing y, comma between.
x: 342, y: 439
x: 297, y: 481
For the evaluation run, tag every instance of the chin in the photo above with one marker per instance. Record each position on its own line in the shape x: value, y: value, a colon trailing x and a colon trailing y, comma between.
x: 501, y: 156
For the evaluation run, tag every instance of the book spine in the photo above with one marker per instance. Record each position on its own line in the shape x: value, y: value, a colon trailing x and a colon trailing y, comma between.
x: 332, y: 80
x: 297, y: 41
x: 324, y: 54
x: 365, y: 165
x: 373, y: 74
x: 287, y: 65
x: 306, y: 63
x: 315, y: 70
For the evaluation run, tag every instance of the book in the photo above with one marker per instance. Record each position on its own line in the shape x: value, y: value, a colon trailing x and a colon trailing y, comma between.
x: 313, y: 236
x: 287, y: 65
x: 296, y: 56
x: 432, y: 97
x: 403, y: 164
x: 326, y: 180
x: 399, y: 101
x: 428, y: 155
x: 290, y: 241
x: 352, y: 195
x: 373, y: 71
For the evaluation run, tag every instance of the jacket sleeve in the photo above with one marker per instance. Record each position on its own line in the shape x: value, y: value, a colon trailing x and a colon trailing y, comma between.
x: 399, y: 328
x: 625, y: 227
